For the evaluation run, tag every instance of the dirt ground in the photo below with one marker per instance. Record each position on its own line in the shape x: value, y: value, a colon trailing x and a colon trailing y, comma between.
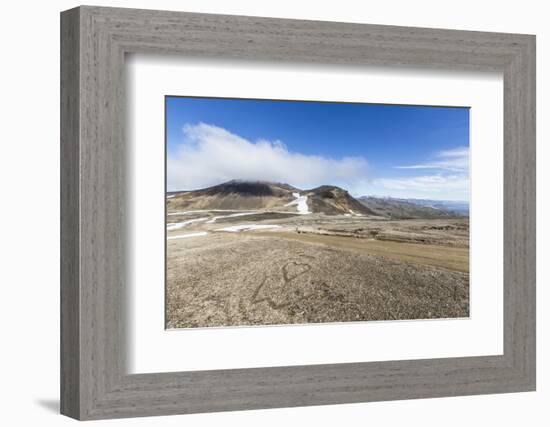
x: 314, y: 268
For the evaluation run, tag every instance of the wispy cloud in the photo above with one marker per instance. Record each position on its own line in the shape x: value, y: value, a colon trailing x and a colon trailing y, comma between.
x: 436, y: 187
x: 453, y: 160
x: 449, y: 179
x: 433, y: 182
x: 210, y: 154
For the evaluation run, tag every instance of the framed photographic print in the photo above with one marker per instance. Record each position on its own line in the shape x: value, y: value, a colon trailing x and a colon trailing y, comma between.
x: 307, y: 216
x: 262, y: 213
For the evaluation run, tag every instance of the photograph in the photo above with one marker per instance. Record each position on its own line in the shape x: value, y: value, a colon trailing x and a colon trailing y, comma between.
x: 281, y: 212
x: 263, y: 210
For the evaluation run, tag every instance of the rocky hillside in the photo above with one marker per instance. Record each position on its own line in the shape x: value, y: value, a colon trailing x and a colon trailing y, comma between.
x: 332, y: 200
x: 261, y: 195
x: 233, y: 195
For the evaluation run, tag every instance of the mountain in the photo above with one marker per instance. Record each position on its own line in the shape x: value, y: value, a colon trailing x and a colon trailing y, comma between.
x: 255, y: 195
x: 332, y: 200
x: 414, y: 208
x: 234, y: 195
x: 326, y: 199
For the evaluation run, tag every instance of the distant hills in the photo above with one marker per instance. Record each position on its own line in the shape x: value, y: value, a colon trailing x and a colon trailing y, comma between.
x: 461, y: 208
x: 326, y: 199
x: 396, y: 208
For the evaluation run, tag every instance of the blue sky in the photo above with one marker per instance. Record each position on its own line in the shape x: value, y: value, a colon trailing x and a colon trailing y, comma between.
x: 369, y: 149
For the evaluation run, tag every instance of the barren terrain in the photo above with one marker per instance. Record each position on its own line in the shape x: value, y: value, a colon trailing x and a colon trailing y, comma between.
x: 287, y: 265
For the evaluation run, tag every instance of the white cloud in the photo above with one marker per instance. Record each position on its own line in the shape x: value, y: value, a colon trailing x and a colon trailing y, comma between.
x: 454, y: 160
x: 209, y: 155
x: 433, y: 182
x: 439, y: 187
x: 450, y: 180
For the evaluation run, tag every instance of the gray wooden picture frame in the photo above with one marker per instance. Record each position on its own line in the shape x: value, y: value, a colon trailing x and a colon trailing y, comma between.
x: 94, y: 381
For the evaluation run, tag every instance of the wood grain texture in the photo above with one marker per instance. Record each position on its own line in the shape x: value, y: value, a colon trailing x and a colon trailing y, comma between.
x: 70, y: 297
x: 94, y: 232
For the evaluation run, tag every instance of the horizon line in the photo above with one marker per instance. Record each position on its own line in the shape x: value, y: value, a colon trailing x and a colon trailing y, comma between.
x: 387, y: 196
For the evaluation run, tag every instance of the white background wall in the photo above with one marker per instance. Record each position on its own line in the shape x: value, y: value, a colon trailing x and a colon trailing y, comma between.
x: 29, y: 225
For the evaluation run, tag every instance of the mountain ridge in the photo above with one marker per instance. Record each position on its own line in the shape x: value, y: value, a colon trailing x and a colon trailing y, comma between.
x: 239, y: 194
x: 251, y: 194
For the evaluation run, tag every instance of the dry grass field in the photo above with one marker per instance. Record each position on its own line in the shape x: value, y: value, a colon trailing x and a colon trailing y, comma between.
x: 238, y: 268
